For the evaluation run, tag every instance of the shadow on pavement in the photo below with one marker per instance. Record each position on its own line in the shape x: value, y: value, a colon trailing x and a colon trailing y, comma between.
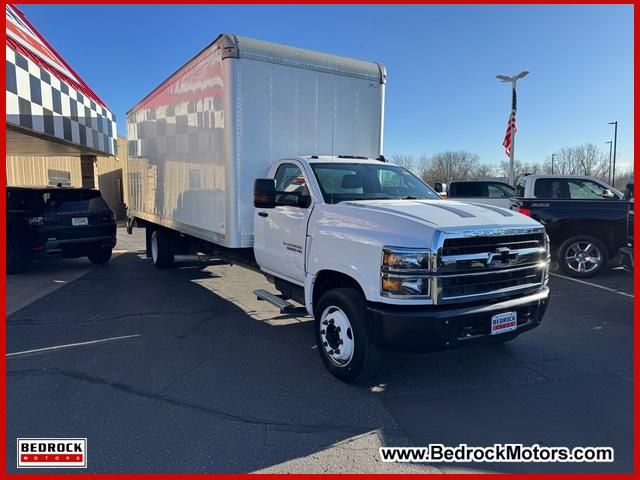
x: 208, y: 386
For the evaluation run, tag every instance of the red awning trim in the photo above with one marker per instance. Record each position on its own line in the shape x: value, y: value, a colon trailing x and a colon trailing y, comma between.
x: 78, y: 84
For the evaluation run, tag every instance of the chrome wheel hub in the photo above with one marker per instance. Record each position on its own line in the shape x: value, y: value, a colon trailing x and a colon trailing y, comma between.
x: 583, y: 257
x: 336, y: 336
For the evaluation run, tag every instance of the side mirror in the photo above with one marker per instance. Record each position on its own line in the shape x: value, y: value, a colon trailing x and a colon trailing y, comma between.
x: 304, y: 200
x: 438, y: 187
x: 608, y: 194
x: 264, y: 193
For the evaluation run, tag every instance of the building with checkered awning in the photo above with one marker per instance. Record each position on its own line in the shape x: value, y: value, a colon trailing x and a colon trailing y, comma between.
x: 58, y: 130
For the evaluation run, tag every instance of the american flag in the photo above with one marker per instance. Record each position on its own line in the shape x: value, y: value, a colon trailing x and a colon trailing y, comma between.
x: 511, y: 126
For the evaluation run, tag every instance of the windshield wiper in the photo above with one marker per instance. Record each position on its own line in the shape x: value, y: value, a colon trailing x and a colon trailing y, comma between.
x: 410, y: 197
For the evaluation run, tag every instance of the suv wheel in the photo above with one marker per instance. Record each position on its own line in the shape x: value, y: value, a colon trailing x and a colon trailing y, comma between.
x: 101, y: 255
x: 582, y: 256
x: 161, y: 251
x: 341, y: 336
x: 18, y: 260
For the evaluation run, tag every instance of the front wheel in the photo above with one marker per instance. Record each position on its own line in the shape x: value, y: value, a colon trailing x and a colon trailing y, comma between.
x: 582, y: 256
x: 341, y: 336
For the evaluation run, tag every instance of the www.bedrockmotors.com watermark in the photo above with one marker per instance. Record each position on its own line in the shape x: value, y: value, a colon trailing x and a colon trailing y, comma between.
x: 499, y: 452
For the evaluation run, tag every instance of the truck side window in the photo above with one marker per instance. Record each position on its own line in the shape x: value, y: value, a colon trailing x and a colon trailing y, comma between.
x: 585, y: 190
x: 551, y: 188
x: 290, y: 184
x: 498, y: 190
x: 467, y: 189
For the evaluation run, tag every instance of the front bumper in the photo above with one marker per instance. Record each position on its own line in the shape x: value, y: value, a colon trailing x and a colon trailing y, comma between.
x: 626, y: 257
x: 432, y: 328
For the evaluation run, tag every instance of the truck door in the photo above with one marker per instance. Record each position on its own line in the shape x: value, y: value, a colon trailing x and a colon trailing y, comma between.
x: 281, y: 232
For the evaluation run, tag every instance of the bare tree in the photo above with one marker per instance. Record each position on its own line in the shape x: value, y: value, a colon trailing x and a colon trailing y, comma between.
x: 485, y: 171
x: 406, y: 161
x: 450, y: 165
x: 520, y: 169
x: 585, y: 159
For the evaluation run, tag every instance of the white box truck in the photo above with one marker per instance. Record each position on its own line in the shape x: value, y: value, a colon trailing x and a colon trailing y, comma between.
x: 271, y: 156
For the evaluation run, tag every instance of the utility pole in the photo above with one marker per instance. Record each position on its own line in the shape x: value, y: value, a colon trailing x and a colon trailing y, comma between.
x: 615, y: 144
x: 610, y: 144
x: 553, y: 156
x: 513, y: 79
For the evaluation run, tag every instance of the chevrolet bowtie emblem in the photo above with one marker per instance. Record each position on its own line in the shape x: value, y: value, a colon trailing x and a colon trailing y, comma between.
x: 503, y: 256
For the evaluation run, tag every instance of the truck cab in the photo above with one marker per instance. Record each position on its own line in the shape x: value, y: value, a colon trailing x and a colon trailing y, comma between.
x: 381, y: 261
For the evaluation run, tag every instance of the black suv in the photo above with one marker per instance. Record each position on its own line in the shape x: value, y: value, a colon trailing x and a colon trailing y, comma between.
x: 57, y: 221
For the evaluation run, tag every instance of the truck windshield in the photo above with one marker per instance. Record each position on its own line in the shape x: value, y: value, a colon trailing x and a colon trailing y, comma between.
x: 341, y: 182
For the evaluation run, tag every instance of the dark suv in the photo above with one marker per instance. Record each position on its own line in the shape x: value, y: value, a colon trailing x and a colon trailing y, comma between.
x: 57, y: 221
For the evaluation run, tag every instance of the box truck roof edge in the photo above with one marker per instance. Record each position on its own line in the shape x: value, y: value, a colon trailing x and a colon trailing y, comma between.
x: 235, y: 46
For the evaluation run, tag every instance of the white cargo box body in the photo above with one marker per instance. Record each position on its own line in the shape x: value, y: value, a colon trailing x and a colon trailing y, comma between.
x: 198, y: 141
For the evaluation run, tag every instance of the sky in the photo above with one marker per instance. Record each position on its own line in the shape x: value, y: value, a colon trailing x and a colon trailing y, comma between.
x: 441, y: 63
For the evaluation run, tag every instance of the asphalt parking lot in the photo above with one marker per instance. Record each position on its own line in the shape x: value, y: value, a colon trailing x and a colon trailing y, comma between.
x: 189, y: 373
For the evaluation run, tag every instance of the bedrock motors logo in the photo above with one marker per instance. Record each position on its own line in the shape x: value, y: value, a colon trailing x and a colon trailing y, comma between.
x: 52, y: 453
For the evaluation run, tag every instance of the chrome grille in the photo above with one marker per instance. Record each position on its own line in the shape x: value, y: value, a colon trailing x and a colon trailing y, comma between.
x: 456, y: 286
x: 490, y: 264
x: 467, y: 245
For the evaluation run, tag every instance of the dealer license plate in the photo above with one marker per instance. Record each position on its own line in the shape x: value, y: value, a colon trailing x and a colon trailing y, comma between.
x: 78, y: 221
x: 504, y: 322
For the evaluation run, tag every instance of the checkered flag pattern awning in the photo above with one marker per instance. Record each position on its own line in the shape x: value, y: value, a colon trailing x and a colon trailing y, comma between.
x: 37, y: 100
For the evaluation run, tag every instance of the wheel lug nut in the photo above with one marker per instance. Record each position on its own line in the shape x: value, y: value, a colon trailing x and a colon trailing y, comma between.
x: 324, y: 344
x: 338, y: 329
x: 330, y: 352
x: 325, y: 323
x: 337, y: 352
x: 340, y: 342
x: 323, y: 331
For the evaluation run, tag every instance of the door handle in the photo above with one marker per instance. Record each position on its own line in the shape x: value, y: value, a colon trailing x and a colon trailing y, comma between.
x: 263, y: 214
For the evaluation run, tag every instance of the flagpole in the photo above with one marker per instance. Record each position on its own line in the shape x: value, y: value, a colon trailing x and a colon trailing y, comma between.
x: 513, y: 132
x: 512, y: 129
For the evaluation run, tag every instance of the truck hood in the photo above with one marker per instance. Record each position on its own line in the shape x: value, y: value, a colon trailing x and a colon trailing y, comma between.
x: 446, y: 215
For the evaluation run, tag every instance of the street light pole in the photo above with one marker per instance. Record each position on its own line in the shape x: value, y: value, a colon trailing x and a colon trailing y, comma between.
x: 610, y: 144
x: 513, y: 79
x: 615, y: 144
x: 553, y: 155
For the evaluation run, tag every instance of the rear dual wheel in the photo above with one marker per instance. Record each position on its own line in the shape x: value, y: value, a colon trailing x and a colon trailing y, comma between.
x: 161, y: 249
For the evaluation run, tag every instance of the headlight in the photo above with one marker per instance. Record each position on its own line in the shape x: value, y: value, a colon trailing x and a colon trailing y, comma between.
x: 406, y: 260
x: 405, y: 272
x: 399, y: 285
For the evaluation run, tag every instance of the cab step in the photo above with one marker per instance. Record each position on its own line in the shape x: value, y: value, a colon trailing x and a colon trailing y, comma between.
x: 284, y: 306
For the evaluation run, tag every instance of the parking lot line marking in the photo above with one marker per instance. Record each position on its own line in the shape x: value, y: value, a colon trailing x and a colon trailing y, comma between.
x: 70, y: 345
x: 613, y: 290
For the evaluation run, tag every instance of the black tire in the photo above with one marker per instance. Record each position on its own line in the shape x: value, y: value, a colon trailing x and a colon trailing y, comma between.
x: 18, y: 261
x: 148, y: 231
x: 365, y: 358
x: 100, y: 256
x: 580, y: 243
x: 161, y: 250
